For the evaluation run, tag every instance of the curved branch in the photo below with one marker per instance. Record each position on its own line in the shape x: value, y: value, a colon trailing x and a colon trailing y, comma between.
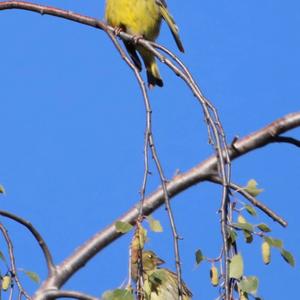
x: 179, y: 183
x: 37, y: 236
x: 69, y: 294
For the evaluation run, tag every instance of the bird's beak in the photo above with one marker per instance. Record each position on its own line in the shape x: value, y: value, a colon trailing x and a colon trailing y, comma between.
x: 159, y: 261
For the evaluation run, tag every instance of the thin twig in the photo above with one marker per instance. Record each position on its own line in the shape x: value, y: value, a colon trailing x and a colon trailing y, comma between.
x: 287, y: 139
x: 150, y: 141
x: 214, y: 126
x: 239, y: 189
x: 217, y: 138
x: 215, y: 130
x: 13, y: 268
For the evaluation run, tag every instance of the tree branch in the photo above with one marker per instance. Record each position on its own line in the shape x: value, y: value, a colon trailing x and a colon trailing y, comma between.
x: 13, y: 268
x: 37, y: 236
x: 287, y: 140
x: 273, y: 215
x: 179, y: 183
x: 69, y: 294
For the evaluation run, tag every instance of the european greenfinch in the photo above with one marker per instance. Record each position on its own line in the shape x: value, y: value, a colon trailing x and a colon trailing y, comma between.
x: 142, y: 18
x: 158, y: 283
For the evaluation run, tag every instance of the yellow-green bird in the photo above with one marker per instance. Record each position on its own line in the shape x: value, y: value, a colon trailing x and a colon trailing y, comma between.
x: 142, y: 18
x: 159, y: 283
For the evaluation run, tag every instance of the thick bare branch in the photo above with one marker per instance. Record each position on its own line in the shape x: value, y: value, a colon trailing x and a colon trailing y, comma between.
x: 69, y: 294
x: 178, y: 184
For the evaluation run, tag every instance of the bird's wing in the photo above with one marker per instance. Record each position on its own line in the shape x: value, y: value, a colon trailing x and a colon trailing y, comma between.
x: 162, y: 2
x: 170, y: 21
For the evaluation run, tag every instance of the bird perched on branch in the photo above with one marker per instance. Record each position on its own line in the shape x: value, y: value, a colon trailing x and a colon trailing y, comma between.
x: 142, y: 18
x: 158, y: 283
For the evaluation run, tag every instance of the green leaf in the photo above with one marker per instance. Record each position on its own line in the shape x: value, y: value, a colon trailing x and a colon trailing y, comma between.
x: 288, y: 257
x: 154, y: 224
x: 273, y: 242
x: 123, y: 227
x: 199, y: 256
x: 232, y: 236
x: 243, y: 226
x: 248, y: 236
x: 277, y: 243
x: 2, y: 190
x: 249, y: 285
x: 33, y: 276
x: 264, y: 227
x: 118, y: 294
x: 159, y: 276
x: 147, y: 289
x: 250, y: 209
x: 2, y: 257
x: 236, y: 267
x: 252, y: 189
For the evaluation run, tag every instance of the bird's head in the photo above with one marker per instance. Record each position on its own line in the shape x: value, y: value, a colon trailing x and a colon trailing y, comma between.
x: 151, y: 260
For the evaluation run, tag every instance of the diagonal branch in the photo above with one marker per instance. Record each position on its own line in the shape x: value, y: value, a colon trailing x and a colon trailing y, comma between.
x: 179, y: 183
x: 237, y: 188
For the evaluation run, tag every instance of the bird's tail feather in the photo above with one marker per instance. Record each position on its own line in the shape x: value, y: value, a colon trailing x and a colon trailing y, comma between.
x: 172, y: 25
x: 153, y: 75
x: 154, y: 78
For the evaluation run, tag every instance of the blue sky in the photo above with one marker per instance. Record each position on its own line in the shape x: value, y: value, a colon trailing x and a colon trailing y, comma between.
x: 72, y: 125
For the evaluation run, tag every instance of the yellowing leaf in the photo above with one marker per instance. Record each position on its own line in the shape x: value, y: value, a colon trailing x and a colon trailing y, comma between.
x: 249, y: 285
x: 154, y: 224
x: 252, y: 189
x: 243, y: 296
x: 123, y: 227
x: 214, y: 276
x: 266, y: 252
x: 241, y: 219
x: 33, y: 276
x: 236, y: 267
x: 6, y: 280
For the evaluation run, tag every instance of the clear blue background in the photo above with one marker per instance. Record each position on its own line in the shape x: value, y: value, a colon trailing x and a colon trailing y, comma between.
x: 72, y: 124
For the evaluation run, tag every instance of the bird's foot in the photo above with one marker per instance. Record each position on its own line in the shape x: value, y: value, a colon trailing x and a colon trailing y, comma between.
x: 136, y: 38
x: 118, y: 30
